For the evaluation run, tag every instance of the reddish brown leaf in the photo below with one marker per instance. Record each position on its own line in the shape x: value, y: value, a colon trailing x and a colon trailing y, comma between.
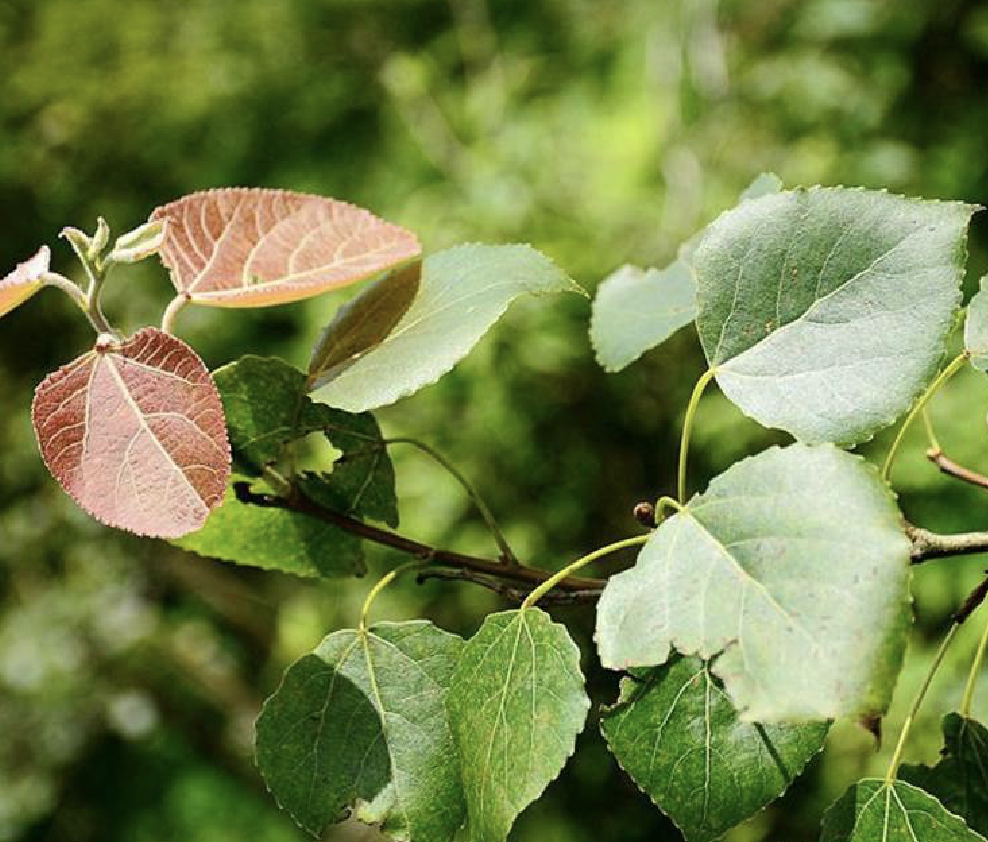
x: 24, y: 281
x: 135, y: 433
x: 250, y: 248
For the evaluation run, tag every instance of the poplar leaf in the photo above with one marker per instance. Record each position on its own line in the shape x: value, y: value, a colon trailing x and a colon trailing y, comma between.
x: 462, y: 292
x: 24, y: 281
x: 360, y: 724
x: 251, y: 247
x: 516, y: 705
x: 636, y: 309
x: 675, y: 731
x: 960, y: 780
x: 134, y: 432
x: 363, y: 323
x: 976, y: 327
x: 138, y: 244
x: 875, y: 811
x: 275, y: 539
x: 792, y: 569
x: 825, y: 311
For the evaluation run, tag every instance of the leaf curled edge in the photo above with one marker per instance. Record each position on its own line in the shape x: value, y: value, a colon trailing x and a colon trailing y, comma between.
x: 251, y: 247
x: 135, y: 433
x: 24, y: 281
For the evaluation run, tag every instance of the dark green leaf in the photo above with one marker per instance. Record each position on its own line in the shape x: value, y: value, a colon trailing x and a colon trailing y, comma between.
x: 793, y: 568
x: 361, y: 724
x: 463, y: 291
x: 276, y: 540
x: 675, y: 731
x: 960, y: 779
x: 363, y: 323
x: 873, y: 811
x: 516, y: 704
x: 825, y: 311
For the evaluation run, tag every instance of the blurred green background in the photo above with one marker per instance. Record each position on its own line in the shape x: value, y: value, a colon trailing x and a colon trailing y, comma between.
x: 602, y: 132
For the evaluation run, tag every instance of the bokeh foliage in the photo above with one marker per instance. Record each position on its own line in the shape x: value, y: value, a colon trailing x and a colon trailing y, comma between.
x: 602, y: 132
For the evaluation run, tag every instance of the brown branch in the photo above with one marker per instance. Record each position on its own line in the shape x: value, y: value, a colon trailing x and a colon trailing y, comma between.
x: 489, y: 571
x: 927, y: 545
x: 952, y: 469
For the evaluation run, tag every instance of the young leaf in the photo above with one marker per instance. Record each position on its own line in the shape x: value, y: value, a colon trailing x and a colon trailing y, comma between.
x: 516, y: 705
x: 274, y: 539
x: 677, y: 734
x: 764, y: 184
x: 976, y: 327
x: 251, y: 248
x: 635, y: 310
x: 24, y: 281
x: 363, y: 323
x: 874, y: 811
x: 134, y: 432
x: 266, y: 409
x: 960, y: 780
x: 463, y: 291
x: 825, y: 311
x: 138, y: 244
x: 360, y: 724
x: 793, y: 568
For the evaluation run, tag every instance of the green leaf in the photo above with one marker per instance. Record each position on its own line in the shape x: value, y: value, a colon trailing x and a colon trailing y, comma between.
x: 516, y: 705
x: 274, y: 539
x: 360, y: 724
x: 635, y: 310
x: 976, y: 327
x: 764, y: 184
x: 463, y: 291
x: 675, y: 731
x: 363, y: 323
x: 825, y: 311
x: 793, y: 569
x: 873, y: 811
x: 266, y: 408
x: 960, y: 779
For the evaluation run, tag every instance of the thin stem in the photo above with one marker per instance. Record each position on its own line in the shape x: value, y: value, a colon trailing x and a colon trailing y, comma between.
x: 927, y: 545
x: 82, y: 301
x: 955, y: 365
x: 382, y: 583
x: 684, y: 445
x: 565, y: 573
x: 173, y: 309
x: 979, y: 657
x: 664, y: 503
x: 953, y: 469
x: 506, y: 553
x: 917, y: 701
x: 931, y: 435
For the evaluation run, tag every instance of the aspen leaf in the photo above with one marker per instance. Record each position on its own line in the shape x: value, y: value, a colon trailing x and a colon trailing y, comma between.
x: 242, y: 247
x: 134, y: 432
x: 24, y: 281
x: 976, y: 327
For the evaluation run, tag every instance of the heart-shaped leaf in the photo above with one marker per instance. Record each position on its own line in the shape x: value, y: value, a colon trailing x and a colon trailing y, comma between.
x: 960, y: 779
x: 516, y: 705
x: 24, y: 281
x: 251, y: 248
x: 463, y: 291
x: 825, y: 311
x: 134, y: 432
x: 360, y: 723
x: 792, y: 568
x: 875, y: 811
x: 675, y: 731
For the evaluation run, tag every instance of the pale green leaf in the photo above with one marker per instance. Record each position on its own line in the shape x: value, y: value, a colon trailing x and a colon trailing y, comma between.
x: 138, y: 244
x: 266, y: 409
x: 635, y: 310
x: 960, y: 779
x: 274, y: 539
x: 792, y: 569
x: 764, y: 184
x: 463, y: 291
x: 825, y: 311
x: 675, y: 731
x: 874, y: 811
x: 976, y: 327
x: 363, y: 323
x: 360, y: 725
x: 516, y: 705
